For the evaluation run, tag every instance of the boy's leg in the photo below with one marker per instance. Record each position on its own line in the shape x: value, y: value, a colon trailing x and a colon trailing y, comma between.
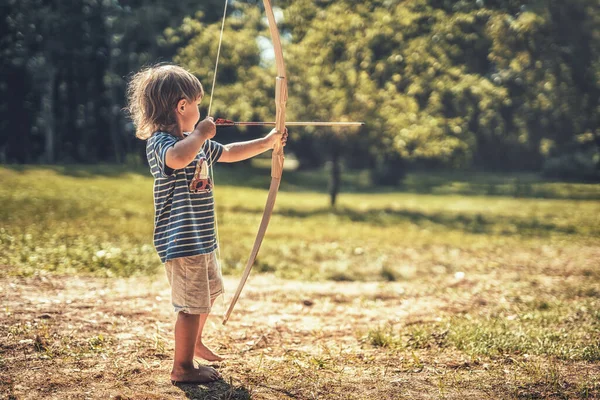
x: 186, y: 332
x: 215, y: 288
x: 201, y: 350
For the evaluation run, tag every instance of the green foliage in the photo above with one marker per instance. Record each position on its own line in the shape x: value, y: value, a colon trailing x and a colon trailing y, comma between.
x: 240, y: 74
x: 494, y: 84
x: 498, y: 84
x: 64, y: 66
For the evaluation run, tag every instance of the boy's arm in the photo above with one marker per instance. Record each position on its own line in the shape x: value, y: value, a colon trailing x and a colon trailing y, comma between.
x: 184, y: 151
x: 239, y: 151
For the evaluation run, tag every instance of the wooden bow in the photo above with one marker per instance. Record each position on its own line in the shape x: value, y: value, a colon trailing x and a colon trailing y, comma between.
x: 281, y: 95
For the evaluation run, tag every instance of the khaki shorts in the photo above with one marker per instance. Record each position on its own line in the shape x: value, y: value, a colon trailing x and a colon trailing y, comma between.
x: 195, y: 282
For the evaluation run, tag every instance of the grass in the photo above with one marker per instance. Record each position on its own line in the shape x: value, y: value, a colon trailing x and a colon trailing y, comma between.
x: 566, y: 332
x: 99, y: 220
x: 451, y: 286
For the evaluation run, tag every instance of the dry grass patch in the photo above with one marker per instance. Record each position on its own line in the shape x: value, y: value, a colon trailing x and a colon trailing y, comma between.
x: 72, y: 337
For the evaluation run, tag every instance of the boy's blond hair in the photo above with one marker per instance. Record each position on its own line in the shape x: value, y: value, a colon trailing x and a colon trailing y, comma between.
x: 153, y: 95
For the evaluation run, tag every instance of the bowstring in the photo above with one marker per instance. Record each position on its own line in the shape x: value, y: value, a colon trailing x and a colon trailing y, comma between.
x: 210, y: 168
x: 212, y: 90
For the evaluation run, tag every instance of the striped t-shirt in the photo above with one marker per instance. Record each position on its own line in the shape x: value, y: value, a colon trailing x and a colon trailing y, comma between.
x: 184, y: 220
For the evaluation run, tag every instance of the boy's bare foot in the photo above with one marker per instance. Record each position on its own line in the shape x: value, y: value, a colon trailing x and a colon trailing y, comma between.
x: 205, y: 353
x: 194, y: 375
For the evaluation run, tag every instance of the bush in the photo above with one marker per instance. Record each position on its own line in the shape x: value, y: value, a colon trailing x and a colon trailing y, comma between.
x: 389, y: 170
x: 580, y: 166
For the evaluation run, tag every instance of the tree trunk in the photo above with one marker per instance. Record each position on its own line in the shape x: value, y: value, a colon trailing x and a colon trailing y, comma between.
x: 48, y: 116
x: 105, y: 140
x: 18, y: 128
x: 334, y: 183
x: 114, y: 114
x: 70, y: 107
x: 58, y: 113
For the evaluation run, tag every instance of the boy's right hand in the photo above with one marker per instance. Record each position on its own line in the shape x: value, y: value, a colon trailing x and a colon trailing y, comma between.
x: 206, y: 128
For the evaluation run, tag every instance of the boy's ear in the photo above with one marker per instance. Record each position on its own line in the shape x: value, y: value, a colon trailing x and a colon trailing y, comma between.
x: 181, y: 105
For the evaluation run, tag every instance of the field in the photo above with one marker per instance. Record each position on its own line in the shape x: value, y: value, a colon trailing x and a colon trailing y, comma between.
x: 452, y: 286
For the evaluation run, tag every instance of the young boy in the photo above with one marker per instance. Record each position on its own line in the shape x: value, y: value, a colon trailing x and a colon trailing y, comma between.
x: 163, y: 103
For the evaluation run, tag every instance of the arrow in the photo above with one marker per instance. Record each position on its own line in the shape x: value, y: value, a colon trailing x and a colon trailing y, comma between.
x: 225, y: 122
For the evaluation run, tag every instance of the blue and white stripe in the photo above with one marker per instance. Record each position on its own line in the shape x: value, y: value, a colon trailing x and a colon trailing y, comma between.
x: 184, y: 222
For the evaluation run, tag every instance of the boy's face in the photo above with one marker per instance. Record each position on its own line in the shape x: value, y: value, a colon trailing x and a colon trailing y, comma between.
x: 190, y: 115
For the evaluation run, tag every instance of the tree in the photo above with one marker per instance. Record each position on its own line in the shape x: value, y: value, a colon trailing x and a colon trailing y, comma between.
x: 494, y: 84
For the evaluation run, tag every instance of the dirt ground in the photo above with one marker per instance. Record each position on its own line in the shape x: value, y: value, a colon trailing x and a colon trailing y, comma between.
x: 66, y: 337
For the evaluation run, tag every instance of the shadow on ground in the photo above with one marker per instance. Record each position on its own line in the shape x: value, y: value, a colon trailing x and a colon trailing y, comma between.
x: 215, y: 390
x: 437, y: 183
x: 471, y: 223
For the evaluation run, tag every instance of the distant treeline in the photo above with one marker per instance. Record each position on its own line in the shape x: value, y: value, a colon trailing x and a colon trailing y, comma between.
x: 63, y: 68
x: 492, y: 84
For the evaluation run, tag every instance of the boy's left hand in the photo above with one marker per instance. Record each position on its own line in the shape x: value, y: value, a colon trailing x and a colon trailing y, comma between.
x: 272, y: 137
